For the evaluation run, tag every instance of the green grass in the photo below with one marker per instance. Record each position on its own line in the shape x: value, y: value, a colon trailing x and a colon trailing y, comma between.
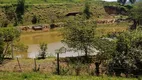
x: 41, y: 76
x: 40, y: 1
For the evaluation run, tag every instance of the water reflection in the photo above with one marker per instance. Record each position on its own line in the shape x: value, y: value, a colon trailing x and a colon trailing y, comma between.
x: 33, y: 51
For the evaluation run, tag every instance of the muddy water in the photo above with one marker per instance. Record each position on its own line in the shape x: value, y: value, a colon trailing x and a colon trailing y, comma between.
x: 33, y: 50
x: 51, y: 38
x: 37, y: 38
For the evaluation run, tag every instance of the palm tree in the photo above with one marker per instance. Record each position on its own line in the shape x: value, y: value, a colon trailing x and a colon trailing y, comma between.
x: 123, y: 2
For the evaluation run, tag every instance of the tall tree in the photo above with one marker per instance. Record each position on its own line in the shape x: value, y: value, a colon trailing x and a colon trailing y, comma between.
x: 79, y: 35
x: 135, y: 15
x: 20, y: 9
x: 86, y: 11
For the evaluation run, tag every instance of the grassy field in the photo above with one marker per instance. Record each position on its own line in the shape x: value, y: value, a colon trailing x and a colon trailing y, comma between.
x: 40, y: 1
x: 40, y: 76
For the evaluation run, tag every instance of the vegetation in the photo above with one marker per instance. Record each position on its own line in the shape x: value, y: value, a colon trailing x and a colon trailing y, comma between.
x: 1, y: 48
x: 40, y: 76
x: 136, y: 16
x: 119, y: 51
x: 43, y: 51
x: 20, y: 9
x: 8, y: 35
x: 124, y: 1
x: 40, y: 1
x: 80, y: 35
x: 127, y: 56
x: 46, y: 14
x: 86, y: 11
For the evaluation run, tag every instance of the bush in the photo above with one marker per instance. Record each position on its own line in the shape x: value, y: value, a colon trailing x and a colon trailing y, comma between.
x: 1, y: 50
x: 43, y: 51
x: 128, y: 54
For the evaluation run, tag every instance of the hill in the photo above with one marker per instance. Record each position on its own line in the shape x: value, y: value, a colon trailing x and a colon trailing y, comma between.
x: 50, y: 12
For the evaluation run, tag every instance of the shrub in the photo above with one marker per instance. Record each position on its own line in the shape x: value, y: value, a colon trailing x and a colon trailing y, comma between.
x: 43, y: 51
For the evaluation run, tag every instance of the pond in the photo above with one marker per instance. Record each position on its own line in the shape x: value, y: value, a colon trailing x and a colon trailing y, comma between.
x: 34, y: 49
x: 52, y: 38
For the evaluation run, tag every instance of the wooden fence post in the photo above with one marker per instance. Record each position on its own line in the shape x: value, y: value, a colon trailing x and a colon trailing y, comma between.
x: 35, y: 69
x: 58, y: 67
x: 19, y: 64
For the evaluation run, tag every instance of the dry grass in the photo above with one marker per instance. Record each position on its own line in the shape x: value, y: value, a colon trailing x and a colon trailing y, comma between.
x: 27, y: 65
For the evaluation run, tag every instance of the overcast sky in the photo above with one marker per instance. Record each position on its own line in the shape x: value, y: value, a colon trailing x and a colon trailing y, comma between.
x: 109, y: 0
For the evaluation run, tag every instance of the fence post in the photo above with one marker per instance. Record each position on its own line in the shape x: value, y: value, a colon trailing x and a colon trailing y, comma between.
x: 19, y: 64
x: 12, y: 50
x: 35, y: 69
x: 58, y: 67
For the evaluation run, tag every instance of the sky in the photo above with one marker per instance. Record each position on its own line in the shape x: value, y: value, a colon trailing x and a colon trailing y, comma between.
x: 109, y: 0
x: 116, y: 0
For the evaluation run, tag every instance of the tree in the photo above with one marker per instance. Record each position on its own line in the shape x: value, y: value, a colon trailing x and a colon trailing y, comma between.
x: 43, y: 51
x: 135, y: 15
x: 34, y: 19
x: 134, y: 12
x: 79, y: 35
x: 1, y: 48
x: 20, y: 9
x: 8, y: 35
x: 86, y: 11
x: 128, y: 54
x: 106, y: 47
x: 10, y: 15
x: 123, y: 2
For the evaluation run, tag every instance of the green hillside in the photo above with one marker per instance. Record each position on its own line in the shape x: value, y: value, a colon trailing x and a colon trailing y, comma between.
x: 40, y: 1
x: 46, y: 13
